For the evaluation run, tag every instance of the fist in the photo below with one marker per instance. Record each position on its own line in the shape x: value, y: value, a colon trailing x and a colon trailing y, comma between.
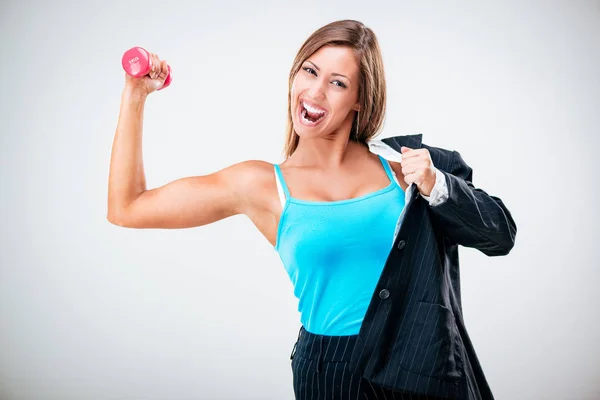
x: 417, y: 167
x: 151, y: 82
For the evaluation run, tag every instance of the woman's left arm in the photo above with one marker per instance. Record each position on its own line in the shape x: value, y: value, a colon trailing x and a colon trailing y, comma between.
x: 469, y: 216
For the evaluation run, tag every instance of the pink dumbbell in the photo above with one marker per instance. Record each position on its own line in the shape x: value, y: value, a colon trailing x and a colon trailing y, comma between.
x: 136, y: 62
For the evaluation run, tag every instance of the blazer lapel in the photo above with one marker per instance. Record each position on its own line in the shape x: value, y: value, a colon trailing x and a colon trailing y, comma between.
x: 410, y: 141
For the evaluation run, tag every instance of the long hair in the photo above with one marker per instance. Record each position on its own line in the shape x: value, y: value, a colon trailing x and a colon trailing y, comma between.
x: 372, y: 88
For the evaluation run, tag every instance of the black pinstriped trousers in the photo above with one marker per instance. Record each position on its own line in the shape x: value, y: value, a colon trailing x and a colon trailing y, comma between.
x: 320, y: 371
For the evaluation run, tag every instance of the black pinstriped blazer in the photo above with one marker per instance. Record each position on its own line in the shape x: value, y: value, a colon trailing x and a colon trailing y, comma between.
x: 413, y: 337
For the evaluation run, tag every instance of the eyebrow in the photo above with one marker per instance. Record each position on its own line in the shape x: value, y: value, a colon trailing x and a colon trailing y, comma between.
x: 333, y: 73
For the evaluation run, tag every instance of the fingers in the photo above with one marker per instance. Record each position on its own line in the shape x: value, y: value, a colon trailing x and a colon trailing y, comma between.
x: 415, y: 162
x: 152, y: 63
x: 164, y: 71
x: 420, y: 160
x: 408, y: 152
x: 158, y: 69
x: 410, y: 178
x: 409, y: 169
x: 154, y: 66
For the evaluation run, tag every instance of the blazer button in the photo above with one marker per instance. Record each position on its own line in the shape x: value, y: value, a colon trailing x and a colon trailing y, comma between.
x: 401, y: 244
x: 384, y: 294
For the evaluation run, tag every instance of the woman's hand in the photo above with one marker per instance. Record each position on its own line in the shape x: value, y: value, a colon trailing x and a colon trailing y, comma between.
x: 151, y: 82
x: 417, y: 167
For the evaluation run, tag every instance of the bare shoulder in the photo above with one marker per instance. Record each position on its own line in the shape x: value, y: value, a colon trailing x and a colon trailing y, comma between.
x: 256, y: 185
x: 254, y: 181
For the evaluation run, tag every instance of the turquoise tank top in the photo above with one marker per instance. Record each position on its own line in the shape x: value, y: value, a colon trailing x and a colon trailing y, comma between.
x: 334, y: 253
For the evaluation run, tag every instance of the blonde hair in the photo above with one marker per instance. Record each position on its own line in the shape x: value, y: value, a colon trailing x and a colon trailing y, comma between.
x: 372, y: 88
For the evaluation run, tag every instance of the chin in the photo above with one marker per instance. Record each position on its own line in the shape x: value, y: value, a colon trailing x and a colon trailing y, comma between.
x: 303, y: 132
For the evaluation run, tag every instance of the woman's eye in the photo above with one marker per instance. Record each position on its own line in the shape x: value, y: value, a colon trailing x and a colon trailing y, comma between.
x: 310, y: 71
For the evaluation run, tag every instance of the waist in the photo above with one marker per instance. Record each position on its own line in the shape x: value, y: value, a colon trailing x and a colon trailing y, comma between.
x: 313, y: 346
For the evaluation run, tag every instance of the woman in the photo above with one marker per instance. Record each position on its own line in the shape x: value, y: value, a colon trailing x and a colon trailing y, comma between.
x: 332, y: 210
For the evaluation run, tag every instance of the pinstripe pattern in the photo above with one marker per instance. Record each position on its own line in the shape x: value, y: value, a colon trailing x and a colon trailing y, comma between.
x: 413, y: 338
x: 320, y: 371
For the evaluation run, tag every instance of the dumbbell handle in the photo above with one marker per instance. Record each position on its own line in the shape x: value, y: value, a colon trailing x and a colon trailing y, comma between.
x: 136, y: 62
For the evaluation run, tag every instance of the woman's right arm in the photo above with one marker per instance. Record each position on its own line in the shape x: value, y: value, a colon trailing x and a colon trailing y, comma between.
x: 183, y: 203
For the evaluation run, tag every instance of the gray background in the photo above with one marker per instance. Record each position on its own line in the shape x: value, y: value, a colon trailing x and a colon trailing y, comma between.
x: 89, y: 310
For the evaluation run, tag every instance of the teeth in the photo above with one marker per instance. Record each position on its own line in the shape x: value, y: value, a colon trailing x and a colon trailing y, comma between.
x: 312, y: 110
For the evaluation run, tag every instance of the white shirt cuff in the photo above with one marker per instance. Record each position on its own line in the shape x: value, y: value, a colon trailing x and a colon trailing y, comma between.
x: 439, y: 193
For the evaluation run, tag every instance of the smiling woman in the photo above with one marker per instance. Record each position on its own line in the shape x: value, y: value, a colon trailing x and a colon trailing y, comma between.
x: 367, y: 229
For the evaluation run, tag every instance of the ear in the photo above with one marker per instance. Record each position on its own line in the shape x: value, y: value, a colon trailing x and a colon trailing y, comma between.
x: 356, y: 107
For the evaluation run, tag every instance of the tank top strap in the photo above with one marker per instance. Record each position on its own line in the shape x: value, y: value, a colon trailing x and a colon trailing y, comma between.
x: 387, y: 167
x: 388, y: 170
x: 281, y: 180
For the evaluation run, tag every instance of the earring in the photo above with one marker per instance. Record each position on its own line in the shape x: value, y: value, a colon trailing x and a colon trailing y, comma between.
x: 357, y: 122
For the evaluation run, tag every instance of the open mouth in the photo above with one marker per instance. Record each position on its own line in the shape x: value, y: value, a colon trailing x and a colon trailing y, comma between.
x: 309, y: 115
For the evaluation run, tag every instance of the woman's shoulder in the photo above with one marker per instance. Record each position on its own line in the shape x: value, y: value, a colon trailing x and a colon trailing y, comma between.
x: 254, y: 172
x: 255, y: 182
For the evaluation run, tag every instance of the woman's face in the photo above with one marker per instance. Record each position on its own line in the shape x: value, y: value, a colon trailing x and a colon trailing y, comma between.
x: 325, y: 91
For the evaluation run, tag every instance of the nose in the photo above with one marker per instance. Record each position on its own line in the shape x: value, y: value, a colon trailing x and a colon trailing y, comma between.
x: 316, y: 90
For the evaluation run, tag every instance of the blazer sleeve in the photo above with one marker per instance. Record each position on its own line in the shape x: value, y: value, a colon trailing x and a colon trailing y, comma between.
x: 472, y: 218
